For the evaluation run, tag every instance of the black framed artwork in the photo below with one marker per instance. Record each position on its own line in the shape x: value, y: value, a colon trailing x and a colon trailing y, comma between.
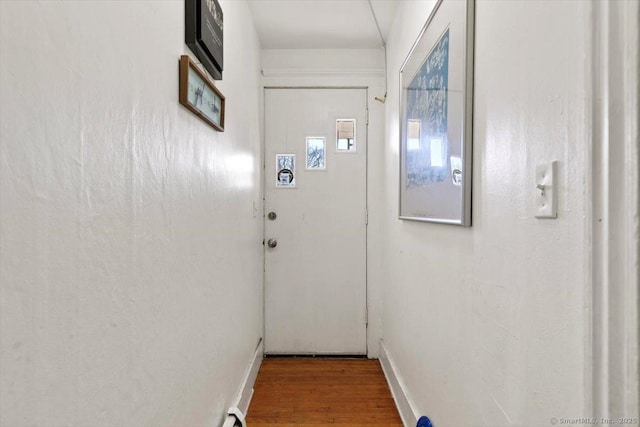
x: 203, y: 33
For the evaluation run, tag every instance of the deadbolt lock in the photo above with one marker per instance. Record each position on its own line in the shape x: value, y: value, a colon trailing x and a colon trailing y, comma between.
x: 272, y: 216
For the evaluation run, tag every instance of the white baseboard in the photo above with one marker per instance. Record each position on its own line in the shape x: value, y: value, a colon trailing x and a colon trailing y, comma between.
x: 238, y: 409
x: 230, y: 421
x: 398, y: 390
x: 246, y: 391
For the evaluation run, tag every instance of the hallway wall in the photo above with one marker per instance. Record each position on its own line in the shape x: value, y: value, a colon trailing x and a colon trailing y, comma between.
x: 130, y: 231
x: 488, y: 325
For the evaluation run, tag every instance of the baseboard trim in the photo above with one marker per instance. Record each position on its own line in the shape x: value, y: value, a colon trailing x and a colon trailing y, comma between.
x: 238, y: 409
x: 246, y: 391
x: 398, y: 390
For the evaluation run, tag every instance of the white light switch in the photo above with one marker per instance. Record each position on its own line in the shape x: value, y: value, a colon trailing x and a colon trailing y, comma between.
x: 546, y: 190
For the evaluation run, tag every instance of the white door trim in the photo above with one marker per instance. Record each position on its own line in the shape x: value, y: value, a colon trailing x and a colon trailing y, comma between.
x: 612, y: 378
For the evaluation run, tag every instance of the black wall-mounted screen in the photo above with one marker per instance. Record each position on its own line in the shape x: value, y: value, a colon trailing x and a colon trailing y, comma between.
x: 203, y: 33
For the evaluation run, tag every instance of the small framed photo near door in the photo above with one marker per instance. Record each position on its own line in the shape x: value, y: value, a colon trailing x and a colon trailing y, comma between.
x: 316, y: 153
x: 436, y: 106
x: 285, y: 170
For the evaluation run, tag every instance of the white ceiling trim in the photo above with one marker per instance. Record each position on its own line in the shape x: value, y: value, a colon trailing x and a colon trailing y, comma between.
x: 280, y: 72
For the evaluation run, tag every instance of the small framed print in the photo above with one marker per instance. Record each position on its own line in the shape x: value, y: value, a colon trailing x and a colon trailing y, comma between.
x: 199, y: 94
x: 285, y: 170
x: 346, y: 135
x: 316, y: 153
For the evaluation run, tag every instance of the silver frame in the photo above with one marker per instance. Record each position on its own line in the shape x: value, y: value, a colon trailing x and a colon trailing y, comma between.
x: 467, y: 132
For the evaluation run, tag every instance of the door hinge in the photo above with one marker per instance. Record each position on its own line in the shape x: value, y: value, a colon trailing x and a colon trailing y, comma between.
x: 367, y: 116
x: 366, y: 217
x: 366, y: 316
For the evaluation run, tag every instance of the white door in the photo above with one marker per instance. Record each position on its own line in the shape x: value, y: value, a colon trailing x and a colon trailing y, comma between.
x: 315, y: 215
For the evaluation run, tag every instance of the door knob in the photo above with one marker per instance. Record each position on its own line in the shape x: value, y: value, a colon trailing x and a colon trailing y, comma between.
x: 272, y: 243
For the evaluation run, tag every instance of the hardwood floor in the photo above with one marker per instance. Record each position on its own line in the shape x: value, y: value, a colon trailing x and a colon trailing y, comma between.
x: 319, y: 392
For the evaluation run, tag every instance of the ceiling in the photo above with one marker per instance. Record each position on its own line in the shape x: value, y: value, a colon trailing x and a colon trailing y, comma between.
x: 321, y: 24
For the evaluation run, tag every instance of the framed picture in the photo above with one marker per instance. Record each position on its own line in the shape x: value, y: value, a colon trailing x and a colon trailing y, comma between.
x: 316, y: 153
x: 285, y: 170
x: 199, y: 94
x: 203, y: 31
x: 436, y: 108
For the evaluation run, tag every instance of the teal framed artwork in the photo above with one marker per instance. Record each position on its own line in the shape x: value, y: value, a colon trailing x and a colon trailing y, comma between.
x: 436, y: 108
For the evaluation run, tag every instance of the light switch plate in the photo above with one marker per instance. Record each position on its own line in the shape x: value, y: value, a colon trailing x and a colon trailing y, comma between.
x: 546, y: 193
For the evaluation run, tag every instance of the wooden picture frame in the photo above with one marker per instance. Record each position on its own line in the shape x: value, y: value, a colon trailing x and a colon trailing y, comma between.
x: 436, y: 109
x: 199, y: 94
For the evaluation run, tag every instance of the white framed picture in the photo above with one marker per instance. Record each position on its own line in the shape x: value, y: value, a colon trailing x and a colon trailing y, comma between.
x: 285, y: 170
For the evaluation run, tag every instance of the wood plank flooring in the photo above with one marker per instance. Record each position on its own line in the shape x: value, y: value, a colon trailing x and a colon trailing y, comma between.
x: 321, y: 392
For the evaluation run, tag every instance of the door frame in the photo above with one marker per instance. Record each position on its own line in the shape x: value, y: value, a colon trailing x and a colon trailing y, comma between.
x: 612, y: 353
x: 264, y: 213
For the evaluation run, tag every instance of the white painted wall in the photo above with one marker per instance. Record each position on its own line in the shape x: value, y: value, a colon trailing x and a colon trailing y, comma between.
x: 488, y: 326
x: 347, y: 68
x: 131, y: 258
